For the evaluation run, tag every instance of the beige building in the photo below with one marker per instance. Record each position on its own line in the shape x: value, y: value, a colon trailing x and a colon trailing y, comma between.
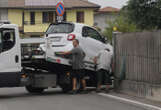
x: 34, y: 16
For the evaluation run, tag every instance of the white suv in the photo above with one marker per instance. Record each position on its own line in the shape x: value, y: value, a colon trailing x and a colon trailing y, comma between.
x: 59, y: 38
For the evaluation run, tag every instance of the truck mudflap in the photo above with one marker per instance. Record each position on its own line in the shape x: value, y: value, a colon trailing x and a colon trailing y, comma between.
x: 10, y: 79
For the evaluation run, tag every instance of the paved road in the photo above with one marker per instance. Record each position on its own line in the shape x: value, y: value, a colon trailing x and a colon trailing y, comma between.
x: 19, y: 99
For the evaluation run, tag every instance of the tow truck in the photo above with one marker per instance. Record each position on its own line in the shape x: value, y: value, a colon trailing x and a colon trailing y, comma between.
x: 34, y: 64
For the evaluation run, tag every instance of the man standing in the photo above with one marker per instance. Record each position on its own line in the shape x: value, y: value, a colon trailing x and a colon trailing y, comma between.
x: 103, y: 61
x: 78, y: 56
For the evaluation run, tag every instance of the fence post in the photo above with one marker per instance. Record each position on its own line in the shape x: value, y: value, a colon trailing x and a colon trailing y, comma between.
x: 114, y: 43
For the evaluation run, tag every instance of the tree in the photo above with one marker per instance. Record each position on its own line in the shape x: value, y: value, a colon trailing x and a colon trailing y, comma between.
x: 123, y: 25
x: 145, y: 13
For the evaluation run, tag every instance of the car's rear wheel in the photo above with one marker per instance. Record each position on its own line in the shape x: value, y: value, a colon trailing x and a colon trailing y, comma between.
x: 66, y: 88
x: 32, y: 89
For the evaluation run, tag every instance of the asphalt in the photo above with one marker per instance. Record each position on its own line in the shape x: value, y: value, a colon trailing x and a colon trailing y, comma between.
x: 54, y: 99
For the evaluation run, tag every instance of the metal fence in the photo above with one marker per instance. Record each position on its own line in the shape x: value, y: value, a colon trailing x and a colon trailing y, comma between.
x: 139, y: 56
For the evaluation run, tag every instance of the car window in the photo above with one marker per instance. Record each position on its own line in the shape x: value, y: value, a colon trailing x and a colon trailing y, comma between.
x: 87, y: 31
x: 7, y: 37
x: 60, y: 28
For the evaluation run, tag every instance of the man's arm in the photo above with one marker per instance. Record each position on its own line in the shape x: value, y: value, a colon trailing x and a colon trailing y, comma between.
x: 73, y: 51
x: 95, y: 60
x: 66, y: 53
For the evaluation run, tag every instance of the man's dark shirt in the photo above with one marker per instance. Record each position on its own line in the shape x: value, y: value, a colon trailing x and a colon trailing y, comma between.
x: 77, y: 58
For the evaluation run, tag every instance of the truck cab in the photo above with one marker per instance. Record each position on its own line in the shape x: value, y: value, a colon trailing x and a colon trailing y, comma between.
x: 10, y: 55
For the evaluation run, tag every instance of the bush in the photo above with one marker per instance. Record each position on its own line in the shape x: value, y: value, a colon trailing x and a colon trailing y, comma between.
x: 122, y: 24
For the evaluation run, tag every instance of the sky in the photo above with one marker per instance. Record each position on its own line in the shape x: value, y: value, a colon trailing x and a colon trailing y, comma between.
x: 113, y: 3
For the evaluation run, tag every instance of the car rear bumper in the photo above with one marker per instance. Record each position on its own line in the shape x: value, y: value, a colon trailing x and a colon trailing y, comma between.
x: 58, y: 60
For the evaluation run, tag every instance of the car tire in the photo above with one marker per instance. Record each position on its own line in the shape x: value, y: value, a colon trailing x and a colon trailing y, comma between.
x: 32, y: 89
x: 66, y: 88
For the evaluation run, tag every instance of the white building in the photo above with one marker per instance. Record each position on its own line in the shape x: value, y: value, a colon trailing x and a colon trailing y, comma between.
x: 103, y: 15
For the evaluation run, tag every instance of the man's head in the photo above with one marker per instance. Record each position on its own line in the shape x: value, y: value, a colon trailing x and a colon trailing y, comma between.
x: 75, y: 42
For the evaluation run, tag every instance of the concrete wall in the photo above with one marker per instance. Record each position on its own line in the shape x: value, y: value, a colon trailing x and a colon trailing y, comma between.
x: 140, y: 89
x: 138, y: 64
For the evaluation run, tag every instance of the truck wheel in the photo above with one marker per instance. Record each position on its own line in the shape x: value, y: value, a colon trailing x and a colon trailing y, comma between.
x: 32, y: 89
x: 66, y: 88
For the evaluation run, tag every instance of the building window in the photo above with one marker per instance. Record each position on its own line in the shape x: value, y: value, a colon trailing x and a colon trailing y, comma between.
x: 45, y: 17
x: 80, y: 17
x: 32, y: 18
x: 48, y: 17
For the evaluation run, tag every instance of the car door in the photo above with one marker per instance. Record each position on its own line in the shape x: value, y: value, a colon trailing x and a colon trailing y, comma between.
x: 9, y: 51
x: 92, y: 43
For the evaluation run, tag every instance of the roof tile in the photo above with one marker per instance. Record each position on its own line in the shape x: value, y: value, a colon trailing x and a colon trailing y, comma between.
x: 46, y: 4
x: 109, y: 9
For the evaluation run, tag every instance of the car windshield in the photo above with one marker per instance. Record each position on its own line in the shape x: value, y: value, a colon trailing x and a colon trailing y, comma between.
x: 60, y: 28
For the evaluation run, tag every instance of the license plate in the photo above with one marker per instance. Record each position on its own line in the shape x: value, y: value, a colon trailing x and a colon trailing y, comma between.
x: 57, y: 39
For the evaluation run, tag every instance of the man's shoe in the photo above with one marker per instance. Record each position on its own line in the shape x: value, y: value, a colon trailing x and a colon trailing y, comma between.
x: 73, y: 92
x: 79, y: 91
x: 84, y: 92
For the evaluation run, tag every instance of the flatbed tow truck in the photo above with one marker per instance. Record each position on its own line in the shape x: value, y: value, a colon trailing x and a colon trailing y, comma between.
x: 24, y: 64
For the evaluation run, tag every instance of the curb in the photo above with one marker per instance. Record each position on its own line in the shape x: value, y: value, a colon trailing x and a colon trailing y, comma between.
x: 132, y: 102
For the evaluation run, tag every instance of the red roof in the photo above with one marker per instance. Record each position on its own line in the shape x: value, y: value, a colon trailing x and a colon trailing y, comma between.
x: 108, y: 10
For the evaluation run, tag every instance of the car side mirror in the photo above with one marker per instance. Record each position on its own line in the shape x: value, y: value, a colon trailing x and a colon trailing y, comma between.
x: 104, y: 39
